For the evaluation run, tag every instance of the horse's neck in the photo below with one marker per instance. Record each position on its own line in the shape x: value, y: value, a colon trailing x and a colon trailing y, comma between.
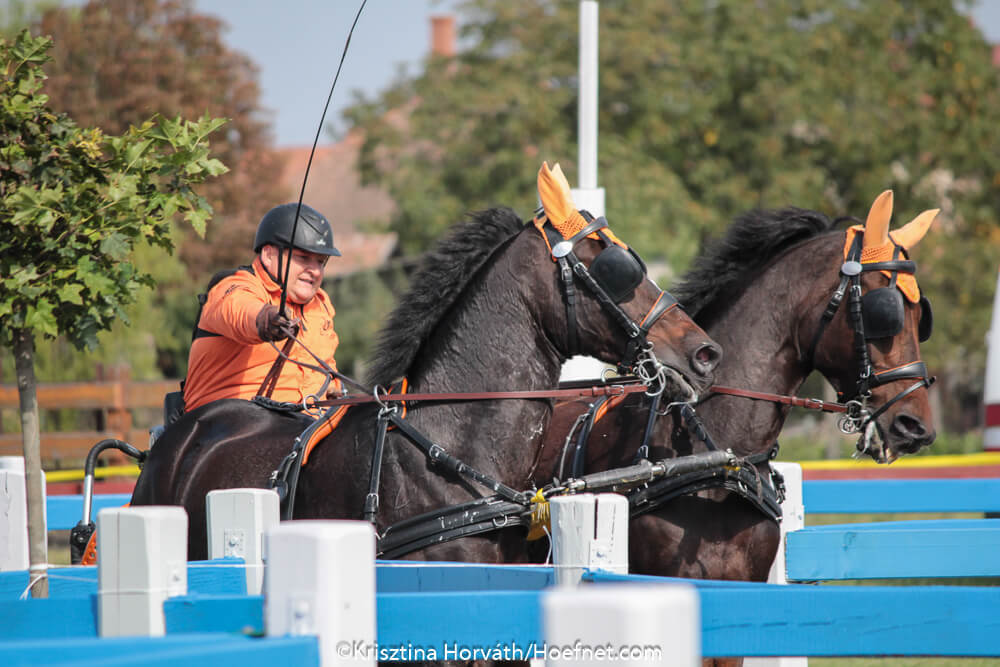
x: 488, y: 343
x: 760, y: 333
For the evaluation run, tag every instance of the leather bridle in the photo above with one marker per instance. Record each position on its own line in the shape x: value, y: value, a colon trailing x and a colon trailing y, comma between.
x: 638, y: 354
x: 858, y: 417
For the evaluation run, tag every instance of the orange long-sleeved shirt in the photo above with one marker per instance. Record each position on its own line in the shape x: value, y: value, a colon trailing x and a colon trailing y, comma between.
x: 234, y: 363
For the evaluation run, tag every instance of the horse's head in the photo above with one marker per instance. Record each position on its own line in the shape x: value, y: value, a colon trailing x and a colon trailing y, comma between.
x: 613, y: 310
x: 880, y: 327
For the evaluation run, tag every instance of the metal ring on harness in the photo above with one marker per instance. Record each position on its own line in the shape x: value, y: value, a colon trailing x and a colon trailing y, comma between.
x: 312, y: 409
x: 650, y: 371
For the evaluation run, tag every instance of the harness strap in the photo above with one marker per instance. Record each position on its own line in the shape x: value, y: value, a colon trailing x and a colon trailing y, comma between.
x: 914, y: 369
x: 475, y: 517
x: 924, y: 382
x: 560, y: 249
x: 692, y: 422
x: 654, y: 411
x: 569, y: 292
x: 371, y: 500
x: 831, y: 309
x: 580, y: 451
x: 438, y: 455
x: 285, y: 479
x: 271, y: 379
x: 748, y: 485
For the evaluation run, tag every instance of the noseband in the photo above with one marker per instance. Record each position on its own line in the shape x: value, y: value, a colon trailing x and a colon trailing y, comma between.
x: 619, y: 272
x: 858, y: 417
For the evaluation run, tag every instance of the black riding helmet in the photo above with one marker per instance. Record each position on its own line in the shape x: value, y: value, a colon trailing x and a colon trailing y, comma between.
x: 313, y: 233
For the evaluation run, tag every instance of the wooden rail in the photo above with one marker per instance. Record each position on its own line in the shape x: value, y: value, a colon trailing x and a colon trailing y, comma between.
x: 114, y: 400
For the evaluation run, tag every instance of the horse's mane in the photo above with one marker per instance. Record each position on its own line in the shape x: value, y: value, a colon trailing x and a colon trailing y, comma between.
x: 752, y: 241
x: 443, y: 274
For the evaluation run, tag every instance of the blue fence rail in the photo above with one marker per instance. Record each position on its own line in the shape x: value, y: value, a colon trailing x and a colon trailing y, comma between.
x: 493, y: 605
x: 486, y: 606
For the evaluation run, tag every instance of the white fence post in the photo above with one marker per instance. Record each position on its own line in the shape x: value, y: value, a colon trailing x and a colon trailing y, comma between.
x: 792, y: 518
x: 14, y: 554
x: 623, y: 624
x: 143, y: 562
x: 589, y: 532
x: 237, y: 521
x: 13, y: 515
x: 321, y: 581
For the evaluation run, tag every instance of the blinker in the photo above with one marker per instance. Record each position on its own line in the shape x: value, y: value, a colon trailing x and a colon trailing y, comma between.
x: 618, y: 271
x: 882, y: 312
x: 926, y: 326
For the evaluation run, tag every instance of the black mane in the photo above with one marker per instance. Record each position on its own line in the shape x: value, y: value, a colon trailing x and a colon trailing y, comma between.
x: 444, y: 272
x: 751, y: 242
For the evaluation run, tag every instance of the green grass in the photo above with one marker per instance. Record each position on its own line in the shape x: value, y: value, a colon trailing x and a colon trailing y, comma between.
x: 817, y: 439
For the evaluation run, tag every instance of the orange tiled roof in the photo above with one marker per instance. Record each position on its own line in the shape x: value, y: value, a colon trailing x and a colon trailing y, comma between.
x: 334, y: 189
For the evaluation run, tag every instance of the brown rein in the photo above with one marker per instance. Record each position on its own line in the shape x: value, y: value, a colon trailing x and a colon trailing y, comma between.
x: 582, y: 392
x: 795, y: 401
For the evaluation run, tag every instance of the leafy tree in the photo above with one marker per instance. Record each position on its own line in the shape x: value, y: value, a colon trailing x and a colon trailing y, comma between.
x: 708, y: 109
x: 116, y: 62
x: 75, y: 202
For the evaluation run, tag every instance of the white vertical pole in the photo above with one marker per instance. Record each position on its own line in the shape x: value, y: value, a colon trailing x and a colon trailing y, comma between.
x: 623, y: 624
x: 321, y: 581
x: 991, y: 395
x: 237, y: 521
x: 587, y: 195
x: 143, y: 561
x: 792, y: 518
x: 589, y: 532
x: 13, y: 515
x: 587, y: 102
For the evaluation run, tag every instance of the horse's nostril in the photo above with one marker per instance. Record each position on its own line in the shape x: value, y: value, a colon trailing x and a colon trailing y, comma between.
x: 707, y: 357
x: 909, y: 427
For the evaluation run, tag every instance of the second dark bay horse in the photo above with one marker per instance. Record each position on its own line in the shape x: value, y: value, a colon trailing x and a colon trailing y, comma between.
x: 761, y: 293
x: 486, y: 312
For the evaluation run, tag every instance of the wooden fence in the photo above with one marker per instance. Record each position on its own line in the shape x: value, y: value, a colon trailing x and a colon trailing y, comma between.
x: 112, y: 400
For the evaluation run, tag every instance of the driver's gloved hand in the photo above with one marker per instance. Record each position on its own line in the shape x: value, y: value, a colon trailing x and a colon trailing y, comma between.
x: 272, y: 325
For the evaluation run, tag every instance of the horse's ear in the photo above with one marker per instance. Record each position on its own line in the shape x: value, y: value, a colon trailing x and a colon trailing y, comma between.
x: 553, y: 190
x: 910, y: 234
x: 877, y: 224
x: 557, y: 172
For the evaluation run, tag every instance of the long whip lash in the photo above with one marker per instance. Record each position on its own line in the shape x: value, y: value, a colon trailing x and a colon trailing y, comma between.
x: 305, y: 178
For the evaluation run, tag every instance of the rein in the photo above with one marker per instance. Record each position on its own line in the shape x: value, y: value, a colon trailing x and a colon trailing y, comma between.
x: 794, y: 401
x: 587, y: 392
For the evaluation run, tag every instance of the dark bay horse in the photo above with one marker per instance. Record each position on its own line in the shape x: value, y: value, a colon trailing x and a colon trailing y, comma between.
x: 761, y: 293
x: 485, y: 313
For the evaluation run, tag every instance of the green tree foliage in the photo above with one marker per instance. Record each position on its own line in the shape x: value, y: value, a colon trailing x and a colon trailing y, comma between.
x: 73, y: 204
x: 708, y: 109
x: 117, y: 62
x: 76, y: 201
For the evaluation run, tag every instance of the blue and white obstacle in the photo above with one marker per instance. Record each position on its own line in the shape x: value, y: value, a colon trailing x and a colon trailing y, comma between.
x: 462, y: 611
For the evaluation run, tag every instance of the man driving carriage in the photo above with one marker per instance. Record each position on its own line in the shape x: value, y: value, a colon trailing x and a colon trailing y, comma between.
x: 232, y: 350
